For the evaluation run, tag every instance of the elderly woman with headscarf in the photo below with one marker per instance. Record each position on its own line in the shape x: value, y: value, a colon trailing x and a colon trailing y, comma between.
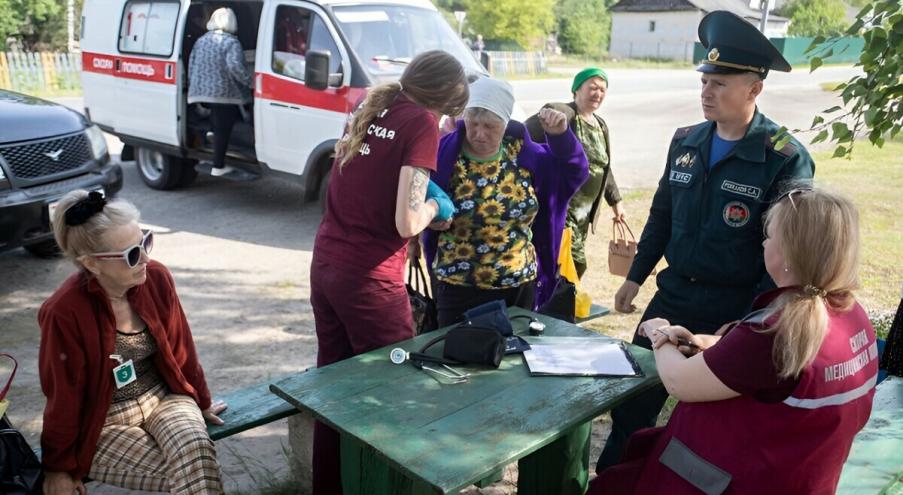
x: 511, y: 196
x: 218, y: 78
x: 588, y: 88
x: 126, y: 396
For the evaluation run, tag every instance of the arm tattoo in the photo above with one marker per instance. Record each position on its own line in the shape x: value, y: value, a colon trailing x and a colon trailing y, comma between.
x: 418, y: 188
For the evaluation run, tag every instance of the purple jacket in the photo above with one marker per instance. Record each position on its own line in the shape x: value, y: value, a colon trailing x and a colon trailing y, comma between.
x: 559, y: 169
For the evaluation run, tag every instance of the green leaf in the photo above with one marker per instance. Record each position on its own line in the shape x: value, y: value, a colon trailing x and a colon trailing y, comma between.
x: 817, y: 120
x: 815, y: 63
x: 833, y: 109
x: 840, y: 151
x: 820, y: 137
x: 870, y: 115
x: 839, y: 131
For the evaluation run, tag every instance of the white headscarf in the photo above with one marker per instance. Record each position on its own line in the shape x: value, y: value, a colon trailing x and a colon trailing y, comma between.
x: 494, y: 95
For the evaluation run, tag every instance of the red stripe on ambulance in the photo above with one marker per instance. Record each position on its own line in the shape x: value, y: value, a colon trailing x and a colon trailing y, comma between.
x: 342, y: 99
x: 142, y: 69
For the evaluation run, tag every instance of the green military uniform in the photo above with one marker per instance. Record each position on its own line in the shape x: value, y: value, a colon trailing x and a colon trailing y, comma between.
x: 586, y: 204
x: 706, y: 218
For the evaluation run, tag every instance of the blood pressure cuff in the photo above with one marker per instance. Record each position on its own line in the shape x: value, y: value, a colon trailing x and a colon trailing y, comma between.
x: 493, y: 314
x: 474, y: 345
x: 466, y: 344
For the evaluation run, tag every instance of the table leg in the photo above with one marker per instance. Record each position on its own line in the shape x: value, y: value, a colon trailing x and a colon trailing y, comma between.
x: 560, y: 467
x: 365, y: 473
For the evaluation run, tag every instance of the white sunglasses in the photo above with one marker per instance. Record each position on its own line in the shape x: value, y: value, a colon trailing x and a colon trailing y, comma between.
x: 132, y: 254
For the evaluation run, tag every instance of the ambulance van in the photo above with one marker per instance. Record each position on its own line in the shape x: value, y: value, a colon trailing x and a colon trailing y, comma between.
x: 313, y: 61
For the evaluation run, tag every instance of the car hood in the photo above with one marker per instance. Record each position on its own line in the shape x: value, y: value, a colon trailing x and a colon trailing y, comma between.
x: 25, y: 117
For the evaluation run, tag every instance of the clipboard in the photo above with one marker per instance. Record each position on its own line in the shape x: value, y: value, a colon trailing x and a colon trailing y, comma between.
x: 580, y: 356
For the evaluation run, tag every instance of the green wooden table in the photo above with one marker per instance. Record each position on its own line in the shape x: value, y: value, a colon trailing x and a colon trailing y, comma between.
x: 404, y: 432
x: 875, y: 464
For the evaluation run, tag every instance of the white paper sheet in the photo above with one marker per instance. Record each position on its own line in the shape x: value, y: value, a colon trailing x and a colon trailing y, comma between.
x: 578, y: 357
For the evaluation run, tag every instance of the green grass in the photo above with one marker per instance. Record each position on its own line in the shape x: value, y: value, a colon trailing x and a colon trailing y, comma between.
x: 873, y: 179
x: 830, y: 86
x: 538, y: 75
x: 574, y: 61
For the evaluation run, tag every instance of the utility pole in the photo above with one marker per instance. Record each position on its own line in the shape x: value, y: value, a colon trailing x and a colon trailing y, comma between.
x: 763, y: 6
x: 459, y: 16
x: 70, y: 25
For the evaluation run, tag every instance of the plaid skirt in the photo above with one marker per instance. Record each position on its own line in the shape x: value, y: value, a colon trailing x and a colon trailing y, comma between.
x: 157, y: 442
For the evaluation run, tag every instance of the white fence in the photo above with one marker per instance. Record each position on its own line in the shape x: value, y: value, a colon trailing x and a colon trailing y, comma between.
x: 39, y: 72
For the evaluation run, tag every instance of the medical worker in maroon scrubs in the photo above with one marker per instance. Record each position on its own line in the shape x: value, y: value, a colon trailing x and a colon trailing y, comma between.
x: 773, y: 405
x: 379, y: 197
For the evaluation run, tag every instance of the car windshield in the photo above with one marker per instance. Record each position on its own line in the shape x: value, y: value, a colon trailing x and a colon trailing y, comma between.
x: 386, y: 37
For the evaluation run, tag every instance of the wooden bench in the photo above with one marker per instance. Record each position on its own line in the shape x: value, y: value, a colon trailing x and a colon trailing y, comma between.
x: 875, y: 464
x: 249, y: 408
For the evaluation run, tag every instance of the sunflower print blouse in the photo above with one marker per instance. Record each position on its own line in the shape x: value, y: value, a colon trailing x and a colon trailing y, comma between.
x: 489, y: 244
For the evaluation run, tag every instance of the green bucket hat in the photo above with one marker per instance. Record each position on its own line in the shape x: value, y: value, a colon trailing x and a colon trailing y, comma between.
x: 585, y: 74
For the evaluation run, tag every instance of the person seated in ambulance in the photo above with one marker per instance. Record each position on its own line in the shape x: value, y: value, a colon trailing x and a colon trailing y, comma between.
x: 219, y: 78
x: 291, y: 42
x: 126, y: 395
x: 773, y: 405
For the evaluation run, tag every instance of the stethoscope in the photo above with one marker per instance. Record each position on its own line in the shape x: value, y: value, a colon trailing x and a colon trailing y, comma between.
x: 400, y: 356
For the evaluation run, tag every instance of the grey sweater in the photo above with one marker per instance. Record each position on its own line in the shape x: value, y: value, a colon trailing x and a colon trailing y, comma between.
x: 216, y: 70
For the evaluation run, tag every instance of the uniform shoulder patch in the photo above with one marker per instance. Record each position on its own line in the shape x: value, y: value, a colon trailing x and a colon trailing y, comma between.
x: 683, y: 132
x: 789, y: 149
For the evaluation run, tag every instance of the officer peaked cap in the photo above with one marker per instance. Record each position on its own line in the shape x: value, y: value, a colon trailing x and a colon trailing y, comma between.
x: 734, y: 46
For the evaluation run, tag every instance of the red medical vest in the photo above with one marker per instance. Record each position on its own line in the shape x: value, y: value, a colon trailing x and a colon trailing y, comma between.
x: 798, y: 446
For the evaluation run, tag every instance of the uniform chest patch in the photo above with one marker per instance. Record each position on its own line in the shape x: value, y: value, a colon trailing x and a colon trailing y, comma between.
x: 681, y: 177
x: 685, y: 160
x: 735, y: 214
x: 742, y: 189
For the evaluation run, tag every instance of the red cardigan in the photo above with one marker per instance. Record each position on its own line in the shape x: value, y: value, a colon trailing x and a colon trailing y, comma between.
x: 78, y: 333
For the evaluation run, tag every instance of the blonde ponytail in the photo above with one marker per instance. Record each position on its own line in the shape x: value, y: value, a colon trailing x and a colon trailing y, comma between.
x: 378, y: 99
x: 819, y: 233
x: 434, y: 80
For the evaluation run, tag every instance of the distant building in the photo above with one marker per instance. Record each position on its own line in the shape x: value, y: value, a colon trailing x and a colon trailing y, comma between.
x: 666, y: 29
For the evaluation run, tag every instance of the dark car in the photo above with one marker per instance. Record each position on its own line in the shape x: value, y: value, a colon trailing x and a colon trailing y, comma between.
x: 46, y: 150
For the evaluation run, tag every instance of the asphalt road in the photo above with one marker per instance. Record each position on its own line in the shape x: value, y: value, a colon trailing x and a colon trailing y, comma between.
x: 644, y: 107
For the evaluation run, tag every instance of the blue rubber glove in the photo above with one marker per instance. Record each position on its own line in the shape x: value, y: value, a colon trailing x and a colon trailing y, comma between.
x: 446, y: 206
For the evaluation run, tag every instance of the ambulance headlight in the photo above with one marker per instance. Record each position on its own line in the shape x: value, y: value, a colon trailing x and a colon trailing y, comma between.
x: 97, y: 140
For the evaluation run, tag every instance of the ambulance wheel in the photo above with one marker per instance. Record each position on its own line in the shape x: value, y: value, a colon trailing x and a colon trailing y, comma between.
x: 159, y: 170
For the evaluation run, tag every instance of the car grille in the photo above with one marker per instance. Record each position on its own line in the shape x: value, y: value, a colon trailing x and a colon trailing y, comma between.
x: 52, y: 156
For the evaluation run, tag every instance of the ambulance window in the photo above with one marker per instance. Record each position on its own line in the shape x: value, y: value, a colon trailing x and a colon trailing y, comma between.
x: 148, y: 27
x: 297, y: 30
x: 321, y: 39
x: 290, y: 41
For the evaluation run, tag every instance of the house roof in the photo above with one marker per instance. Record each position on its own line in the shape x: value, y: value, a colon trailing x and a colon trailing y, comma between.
x: 739, y: 7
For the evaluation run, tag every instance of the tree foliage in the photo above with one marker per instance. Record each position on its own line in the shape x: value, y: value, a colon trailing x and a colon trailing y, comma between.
x: 35, y: 24
x: 583, y: 26
x: 815, y: 17
x: 872, y: 101
x: 523, y: 21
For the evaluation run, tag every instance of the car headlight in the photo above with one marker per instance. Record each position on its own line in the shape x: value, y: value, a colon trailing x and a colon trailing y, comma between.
x: 97, y: 140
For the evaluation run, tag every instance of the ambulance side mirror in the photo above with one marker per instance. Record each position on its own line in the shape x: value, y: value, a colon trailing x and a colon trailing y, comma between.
x: 316, y: 69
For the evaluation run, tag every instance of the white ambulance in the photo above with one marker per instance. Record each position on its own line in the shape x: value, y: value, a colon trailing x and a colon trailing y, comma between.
x: 313, y: 61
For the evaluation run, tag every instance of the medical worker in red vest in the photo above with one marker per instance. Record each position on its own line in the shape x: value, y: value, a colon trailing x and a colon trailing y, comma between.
x: 380, y: 195
x: 773, y: 405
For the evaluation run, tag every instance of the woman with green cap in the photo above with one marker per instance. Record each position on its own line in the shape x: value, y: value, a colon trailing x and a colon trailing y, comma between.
x: 589, y: 88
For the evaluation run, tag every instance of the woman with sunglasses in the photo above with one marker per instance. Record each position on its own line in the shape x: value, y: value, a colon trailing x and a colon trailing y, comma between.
x: 126, y: 395
x: 773, y: 405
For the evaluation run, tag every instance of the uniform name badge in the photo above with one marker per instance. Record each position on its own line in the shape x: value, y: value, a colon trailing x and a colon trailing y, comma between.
x: 124, y: 373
